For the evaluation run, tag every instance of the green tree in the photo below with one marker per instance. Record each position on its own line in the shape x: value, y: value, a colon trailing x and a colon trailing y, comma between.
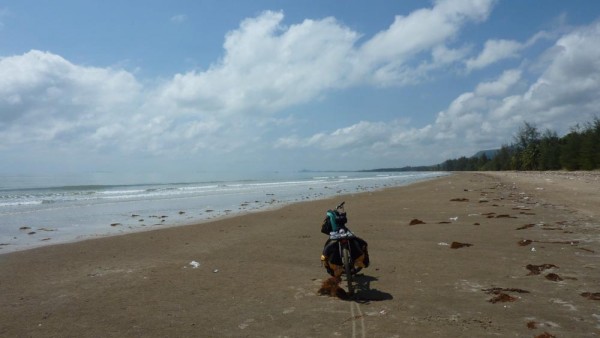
x: 527, y: 135
x: 569, y: 150
x: 527, y: 145
x: 585, y: 158
x: 549, y: 158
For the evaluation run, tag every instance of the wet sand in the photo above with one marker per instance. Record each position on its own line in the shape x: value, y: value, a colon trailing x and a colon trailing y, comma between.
x: 488, y: 254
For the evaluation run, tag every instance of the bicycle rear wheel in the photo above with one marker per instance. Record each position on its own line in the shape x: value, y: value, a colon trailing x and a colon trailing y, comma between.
x: 348, y: 269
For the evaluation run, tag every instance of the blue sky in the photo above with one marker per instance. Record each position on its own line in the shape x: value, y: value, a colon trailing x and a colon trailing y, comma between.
x: 214, y: 86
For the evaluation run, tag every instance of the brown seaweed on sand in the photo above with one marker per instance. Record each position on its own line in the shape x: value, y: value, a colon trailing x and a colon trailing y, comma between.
x: 537, y: 269
x: 553, y: 277
x: 331, y: 287
x: 526, y: 226
x: 416, y: 221
x: 458, y: 245
x: 591, y: 295
x: 545, y: 335
x: 505, y: 216
x: 499, y: 290
x: 501, y: 296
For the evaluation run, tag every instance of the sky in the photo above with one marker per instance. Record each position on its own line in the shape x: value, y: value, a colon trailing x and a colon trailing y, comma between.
x: 241, y: 86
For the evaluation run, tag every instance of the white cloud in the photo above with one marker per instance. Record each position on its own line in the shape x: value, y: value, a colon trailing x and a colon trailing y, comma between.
x: 423, y: 29
x: 387, y: 54
x: 494, y: 51
x: 443, y: 55
x: 566, y: 92
x: 507, y: 80
x: 360, y: 134
x: 44, y: 97
x: 267, y: 67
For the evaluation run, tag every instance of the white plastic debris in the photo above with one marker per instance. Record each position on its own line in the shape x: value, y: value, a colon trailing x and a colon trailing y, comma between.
x: 443, y: 243
x: 532, y: 249
x: 454, y: 218
x: 194, y: 264
x: 215, y: 270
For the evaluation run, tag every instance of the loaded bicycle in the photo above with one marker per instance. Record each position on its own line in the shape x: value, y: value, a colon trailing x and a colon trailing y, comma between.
x: 344, y: 253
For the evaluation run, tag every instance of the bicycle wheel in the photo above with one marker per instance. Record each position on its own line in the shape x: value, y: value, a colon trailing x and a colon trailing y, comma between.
x: 348, y: 269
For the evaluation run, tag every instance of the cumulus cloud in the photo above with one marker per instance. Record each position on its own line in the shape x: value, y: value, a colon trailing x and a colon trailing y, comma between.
x: 494, y: 51
x: 44, y: 97
x: 268, y: 66
x: 500, y: 86
x: 564, y: 93
x: 358, y: 135
x: 388, y: 54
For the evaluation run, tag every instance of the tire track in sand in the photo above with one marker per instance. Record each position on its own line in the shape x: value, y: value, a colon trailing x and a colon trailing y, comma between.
x: 361, y: 320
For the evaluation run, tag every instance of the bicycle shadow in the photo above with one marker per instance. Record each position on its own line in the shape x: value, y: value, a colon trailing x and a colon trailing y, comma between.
x: 363, y: 292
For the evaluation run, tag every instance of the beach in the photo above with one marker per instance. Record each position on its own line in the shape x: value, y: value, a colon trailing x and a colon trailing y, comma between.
x: 487, y: 254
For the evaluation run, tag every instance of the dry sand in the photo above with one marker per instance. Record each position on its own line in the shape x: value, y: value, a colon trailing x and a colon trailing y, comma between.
x: 258, y: 274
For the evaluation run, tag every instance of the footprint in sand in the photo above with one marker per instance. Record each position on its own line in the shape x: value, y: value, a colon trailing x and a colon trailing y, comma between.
x: 246, y: 323
x: 566, y: 304
x: 301, y: 292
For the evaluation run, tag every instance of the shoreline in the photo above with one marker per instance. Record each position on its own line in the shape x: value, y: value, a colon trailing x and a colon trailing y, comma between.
x: 258, y: 274
x: 31, y: 235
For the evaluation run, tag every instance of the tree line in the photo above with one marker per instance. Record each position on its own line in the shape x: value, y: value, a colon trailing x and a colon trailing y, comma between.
x: 535, y: 150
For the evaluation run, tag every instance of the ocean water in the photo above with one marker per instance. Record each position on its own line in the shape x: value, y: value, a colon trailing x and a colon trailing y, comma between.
x: 37, y: 211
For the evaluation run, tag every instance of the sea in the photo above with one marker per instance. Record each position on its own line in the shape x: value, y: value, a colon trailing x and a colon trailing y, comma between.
x: 44, y: 210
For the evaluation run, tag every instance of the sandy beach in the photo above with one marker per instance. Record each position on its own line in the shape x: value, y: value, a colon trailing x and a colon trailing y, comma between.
x: 528, y: 266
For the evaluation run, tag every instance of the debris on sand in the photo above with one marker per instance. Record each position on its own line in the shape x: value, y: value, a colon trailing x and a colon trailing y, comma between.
x: 501, y: 296
x: 591, y: 295
x: 416, y: 221
x: 553, y: 277
x: 498, y: 290
x: 526, y: 226
x: 331, y: 287
x: 537, y: 269
x: 458, y: 245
